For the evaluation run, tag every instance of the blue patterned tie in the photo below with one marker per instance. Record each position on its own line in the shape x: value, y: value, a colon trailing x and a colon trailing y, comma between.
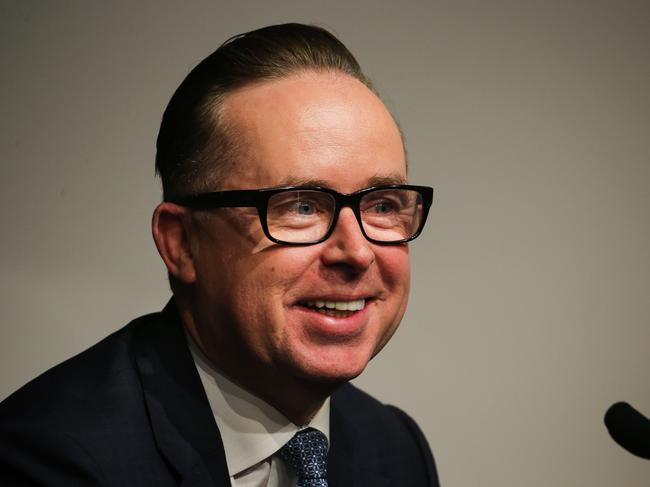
x: 306, y: 452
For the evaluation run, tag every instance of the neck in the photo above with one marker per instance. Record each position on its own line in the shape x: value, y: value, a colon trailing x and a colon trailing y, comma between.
x: 297, y: 401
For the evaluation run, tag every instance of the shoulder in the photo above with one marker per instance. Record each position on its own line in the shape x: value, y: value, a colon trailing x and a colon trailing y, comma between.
x: 53, y: 428
x: 385, y: 433
x: 79, y: 379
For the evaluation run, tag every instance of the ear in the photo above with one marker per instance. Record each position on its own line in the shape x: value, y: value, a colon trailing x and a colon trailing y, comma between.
x: 170, y: 229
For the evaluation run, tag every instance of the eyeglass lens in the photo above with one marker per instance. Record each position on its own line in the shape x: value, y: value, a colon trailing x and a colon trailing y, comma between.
x: 387, y: 215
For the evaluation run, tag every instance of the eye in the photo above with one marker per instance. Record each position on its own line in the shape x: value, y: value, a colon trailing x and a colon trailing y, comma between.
x: 297, y: 204
x: 305, y: 208
x: 380, y: 206
x: 383, y: 207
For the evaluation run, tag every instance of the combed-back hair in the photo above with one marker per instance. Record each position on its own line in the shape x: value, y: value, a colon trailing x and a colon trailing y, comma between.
x: 195, y: 145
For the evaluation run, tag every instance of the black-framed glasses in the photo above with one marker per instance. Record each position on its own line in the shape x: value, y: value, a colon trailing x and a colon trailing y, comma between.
x: 307, y: 215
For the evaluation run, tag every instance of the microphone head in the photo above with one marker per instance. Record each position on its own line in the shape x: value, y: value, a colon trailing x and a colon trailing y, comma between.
x: 629, y: 428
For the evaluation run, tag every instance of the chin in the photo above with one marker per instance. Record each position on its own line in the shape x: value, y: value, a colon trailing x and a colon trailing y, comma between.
x: 332, y: 369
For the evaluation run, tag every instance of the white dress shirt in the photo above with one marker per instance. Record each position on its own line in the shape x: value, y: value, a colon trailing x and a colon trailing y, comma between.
x: 252, y: 431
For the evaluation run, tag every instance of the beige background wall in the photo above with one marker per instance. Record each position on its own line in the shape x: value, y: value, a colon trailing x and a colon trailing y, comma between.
x: 530, y: 312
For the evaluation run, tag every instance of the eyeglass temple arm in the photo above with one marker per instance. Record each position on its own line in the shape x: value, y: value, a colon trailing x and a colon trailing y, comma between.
x: 222, y: 199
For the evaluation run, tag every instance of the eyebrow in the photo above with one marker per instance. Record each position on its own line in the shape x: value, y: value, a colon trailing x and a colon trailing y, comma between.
x: 375, y: 180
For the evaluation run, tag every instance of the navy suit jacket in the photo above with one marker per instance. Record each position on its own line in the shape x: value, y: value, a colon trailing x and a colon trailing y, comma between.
x: 131, y: 411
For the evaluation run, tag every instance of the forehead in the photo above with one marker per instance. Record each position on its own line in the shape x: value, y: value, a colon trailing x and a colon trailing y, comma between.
x: 312, y: 126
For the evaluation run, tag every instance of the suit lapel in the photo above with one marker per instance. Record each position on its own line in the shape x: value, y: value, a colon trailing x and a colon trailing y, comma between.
x: 345, y: 463
x: 181, y: 418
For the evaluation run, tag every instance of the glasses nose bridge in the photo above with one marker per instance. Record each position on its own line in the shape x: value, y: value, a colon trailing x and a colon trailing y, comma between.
x: 351, y: 201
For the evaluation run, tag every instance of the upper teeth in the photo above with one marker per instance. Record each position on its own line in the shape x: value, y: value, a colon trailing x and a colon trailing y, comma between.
x: 338, y: 305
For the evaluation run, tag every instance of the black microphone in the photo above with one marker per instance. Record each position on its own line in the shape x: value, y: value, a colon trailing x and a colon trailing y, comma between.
x: 629, y: 428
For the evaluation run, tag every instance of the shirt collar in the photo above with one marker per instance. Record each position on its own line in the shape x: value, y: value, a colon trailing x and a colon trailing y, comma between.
x: 251, y: 429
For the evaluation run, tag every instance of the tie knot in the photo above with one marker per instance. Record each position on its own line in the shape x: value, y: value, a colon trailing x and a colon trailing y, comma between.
x: 306, y: 453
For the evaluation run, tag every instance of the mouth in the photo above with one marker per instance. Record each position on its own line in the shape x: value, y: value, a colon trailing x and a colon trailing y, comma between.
x: 337, y: 309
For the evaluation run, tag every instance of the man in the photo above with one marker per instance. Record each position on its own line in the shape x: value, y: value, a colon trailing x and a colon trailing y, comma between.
x: 283, y: 229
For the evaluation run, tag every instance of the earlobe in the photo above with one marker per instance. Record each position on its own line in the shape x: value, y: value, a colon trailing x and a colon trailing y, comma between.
x: 170, y: 233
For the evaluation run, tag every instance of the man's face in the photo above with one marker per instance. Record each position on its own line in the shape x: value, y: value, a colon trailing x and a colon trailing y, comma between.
x: 251, y: 301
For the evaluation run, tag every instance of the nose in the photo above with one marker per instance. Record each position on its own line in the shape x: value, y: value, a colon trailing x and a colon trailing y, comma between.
x: 347, y: 245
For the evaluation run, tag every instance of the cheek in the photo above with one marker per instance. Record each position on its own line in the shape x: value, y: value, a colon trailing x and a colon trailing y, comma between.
x: 263, y: 281
x: 395, y: 269
x: 280, y: 266
x: 396, y: 274
x: 258, y: 291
